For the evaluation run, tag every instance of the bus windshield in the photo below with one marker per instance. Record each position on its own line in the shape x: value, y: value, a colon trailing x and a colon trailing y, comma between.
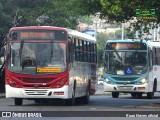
x: 37, y: 58
x: 126, y: 62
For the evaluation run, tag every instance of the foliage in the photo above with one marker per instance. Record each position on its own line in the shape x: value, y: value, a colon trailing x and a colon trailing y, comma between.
x: 61, y: 13
x: 119, y: 10
x: 114, y: 25
x: 101, y: 41
x: 89, y: 7
x: 86, y: 19
x: 0, y: 62
x: 65, y: 13
x: 128, y: 34
x: 5, y: 19
x: 47, y: 12
x: 125, y: 10
x: 122, y: 11
x: 118, y: 34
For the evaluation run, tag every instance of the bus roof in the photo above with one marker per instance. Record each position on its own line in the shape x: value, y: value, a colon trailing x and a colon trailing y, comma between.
x: 37, y: 27
x: 154, y: 43
x: 70, y: 32
x: 127, y: 40
x: 81, y: 35
x: 148, y: 42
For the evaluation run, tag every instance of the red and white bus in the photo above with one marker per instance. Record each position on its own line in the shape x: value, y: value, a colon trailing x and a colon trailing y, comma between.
x: 46, y: 62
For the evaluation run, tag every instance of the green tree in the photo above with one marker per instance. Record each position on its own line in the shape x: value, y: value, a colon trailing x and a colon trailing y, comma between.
x: 86, y: 19
x: 128, y: 34
x: 62, y: 13
x: 124, y: 10
x: 118, y: 34
x: 5, y: 19
x: 101, y: 41
x: 47, y: 12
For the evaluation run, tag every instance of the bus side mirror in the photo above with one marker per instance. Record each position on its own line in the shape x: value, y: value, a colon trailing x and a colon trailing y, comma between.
x: 14, y: 35
x: 2, y: 52
x: 105, y: 55
x: 150, y: 59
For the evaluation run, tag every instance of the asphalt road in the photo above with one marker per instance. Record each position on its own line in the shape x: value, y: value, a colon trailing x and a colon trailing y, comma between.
x: 101, y: 105
x: 97, y: 103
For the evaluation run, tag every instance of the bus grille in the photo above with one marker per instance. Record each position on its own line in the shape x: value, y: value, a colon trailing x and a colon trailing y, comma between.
x: 36, y: 92
x: 125, y: 88
x: 124, y: 79
x: 36, y: 80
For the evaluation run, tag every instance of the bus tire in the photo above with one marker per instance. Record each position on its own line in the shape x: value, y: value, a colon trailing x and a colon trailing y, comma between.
x: 115, y: 94
x: 18, y: 101
x: 150, y: 95
x: 86, y: 98
x: 133, y: 95
x: 73, y: 99
x: 139, y: 95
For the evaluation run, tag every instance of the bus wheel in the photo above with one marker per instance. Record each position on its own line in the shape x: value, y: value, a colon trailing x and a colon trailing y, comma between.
x: 87, y: 97
x: 115, y: 94
x: 73, y: 99
x: 150, y: 95
x: 18, y: 101
x: 133, y: 94
x: 139, y: 95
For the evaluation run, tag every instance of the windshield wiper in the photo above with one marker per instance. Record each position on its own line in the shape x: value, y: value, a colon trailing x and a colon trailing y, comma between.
x: 20, y: 52
x: 36, y: 58
x: 107, y: 60
x: 51, y: 51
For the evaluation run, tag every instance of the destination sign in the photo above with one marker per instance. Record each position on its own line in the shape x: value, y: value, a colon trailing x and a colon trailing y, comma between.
x: 126, y: 46
x: 36, y: 35
x: 48, y: 69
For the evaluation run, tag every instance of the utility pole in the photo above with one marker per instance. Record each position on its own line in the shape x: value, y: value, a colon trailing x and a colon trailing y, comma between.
x: 154, y: 34
x: 97, y: 18
x: 158, y: 32
x: 122, y: 31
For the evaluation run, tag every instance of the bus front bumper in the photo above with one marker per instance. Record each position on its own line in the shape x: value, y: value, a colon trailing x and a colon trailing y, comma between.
x: 61, y: 93
x: 125, y: 88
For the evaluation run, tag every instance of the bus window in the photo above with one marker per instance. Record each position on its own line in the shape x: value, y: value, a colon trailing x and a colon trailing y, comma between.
x: 14, y: 35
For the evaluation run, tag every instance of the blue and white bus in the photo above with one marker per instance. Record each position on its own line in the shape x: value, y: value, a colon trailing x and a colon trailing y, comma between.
x: 131, y: 66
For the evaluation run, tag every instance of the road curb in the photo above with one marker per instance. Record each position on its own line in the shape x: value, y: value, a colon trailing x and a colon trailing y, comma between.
x: 2, y: 95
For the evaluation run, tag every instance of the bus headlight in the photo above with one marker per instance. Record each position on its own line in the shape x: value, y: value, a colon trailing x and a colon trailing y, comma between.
x: 144, y: 80
x: 107, y: 81
x: 12, y: 83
